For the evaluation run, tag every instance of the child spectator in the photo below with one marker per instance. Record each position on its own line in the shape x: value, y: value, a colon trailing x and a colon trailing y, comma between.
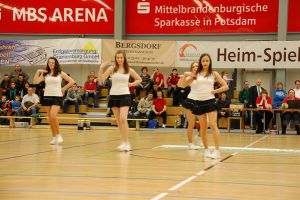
x: 4, y: 109
x: 15, y: 106
x: 172, y: 81
x: 90, y: 90
x: 159, y: 108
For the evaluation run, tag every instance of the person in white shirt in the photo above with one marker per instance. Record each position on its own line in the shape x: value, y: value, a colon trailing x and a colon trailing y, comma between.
x: 53, y: 94
x: 29, y: 103
x: 119, y: 96
x: 201, y: 101
x: 297, y: 89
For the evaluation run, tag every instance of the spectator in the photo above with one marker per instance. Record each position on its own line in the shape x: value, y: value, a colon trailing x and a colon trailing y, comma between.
x: 39, y: 90
x: 289, y: 116
x: 244, y: 98
x: 73, y: 98
x: 278, y: 95
x: 264, y: 102
x: 172, y: 81
x: 146, y: 82
x: 15, y: 105
x: 29, y: 103
x: 4, y: 109
x: 159, y: 108
x: 5, y: 84
x: 297, y: 88
x: 20, y: 83
x: 24, y: 91
x: 222, y: 102
x: 145, y: 106
x: 158, y: 79
x: 12, y: 92
x: 254, y: 92
x: 90, y: 90
x: 14, y: 74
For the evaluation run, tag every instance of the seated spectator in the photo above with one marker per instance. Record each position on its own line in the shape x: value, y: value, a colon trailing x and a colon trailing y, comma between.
x: 158, y: 79
x: 14, y: 74
x: 24, y: 91
x: 159, y: 108
x: 172, y: 81
x: 29, y: 104
x: 5, y: 84
x: 90, y: 90
x: 263, y: 102
x: 15, y: 106
x: 278, y: 95
x: 146, y: 83
x: 12, y: 92
x: 73, y: 98
x: 20, y: 83
x: 145, y: 106
x: 287, y: 116
x: 39, y: 90
x: 4, y: 109
x: 222, y: 102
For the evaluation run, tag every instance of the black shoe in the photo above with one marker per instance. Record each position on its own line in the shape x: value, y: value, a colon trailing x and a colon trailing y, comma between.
x: 259, y: 131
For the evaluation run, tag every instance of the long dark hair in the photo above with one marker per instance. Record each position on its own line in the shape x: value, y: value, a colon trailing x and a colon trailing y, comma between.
x: 126, y: 66
x: 57, y: 68
x: 200, y: 67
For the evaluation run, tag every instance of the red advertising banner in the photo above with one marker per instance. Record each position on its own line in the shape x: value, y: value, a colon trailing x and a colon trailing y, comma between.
x: 201, y: 16
x: 57, y: 16
x: 294, y: 16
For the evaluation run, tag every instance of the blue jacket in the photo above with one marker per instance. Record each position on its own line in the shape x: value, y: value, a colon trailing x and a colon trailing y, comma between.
x: 278, y: 97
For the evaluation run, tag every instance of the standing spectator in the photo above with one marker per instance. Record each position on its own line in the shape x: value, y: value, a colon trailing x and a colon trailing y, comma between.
x: 5, y: 84
x: 146, y: 82
x: 254, y: 92
x: 90, y: 89
x: 278, y: 95
x: 29, y: 103
x: 4, y: 109
x: 244, y: 98
x: 158, y: 79
x: 73, y: 98
x: 145, y: 106
x: 14, y: 74
x: 16, y: 106
x: 159, y: 108
x: 288, y: 116
x: 264, y: 102
x: 297, y: 88
x: 12, y: 92
x: 172, y: 81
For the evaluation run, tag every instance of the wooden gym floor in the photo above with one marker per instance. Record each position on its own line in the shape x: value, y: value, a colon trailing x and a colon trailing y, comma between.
x: 87, y: 166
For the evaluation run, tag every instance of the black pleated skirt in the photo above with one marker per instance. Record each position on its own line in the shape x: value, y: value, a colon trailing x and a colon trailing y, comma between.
x: 119, y: 100
x: 200, y: 107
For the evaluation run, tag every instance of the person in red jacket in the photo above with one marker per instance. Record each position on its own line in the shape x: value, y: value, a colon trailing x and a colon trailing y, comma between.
x: 159, y: 108
x: 263, y: 102
x: 172, y: 81
x: 90, y: 89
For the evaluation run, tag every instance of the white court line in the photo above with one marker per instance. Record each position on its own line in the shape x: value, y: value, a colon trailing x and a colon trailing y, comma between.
x: 198, y: 174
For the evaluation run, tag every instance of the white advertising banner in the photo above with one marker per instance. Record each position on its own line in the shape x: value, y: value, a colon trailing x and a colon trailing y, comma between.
x: 245, y: 54
x: 36, y: 52
x: 142, y: 53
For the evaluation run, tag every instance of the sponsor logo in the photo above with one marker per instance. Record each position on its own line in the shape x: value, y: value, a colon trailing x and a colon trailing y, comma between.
x: 143, y: 7
x: 186, y: 48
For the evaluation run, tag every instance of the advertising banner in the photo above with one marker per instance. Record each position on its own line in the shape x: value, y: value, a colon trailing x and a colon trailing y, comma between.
x: 201, y: 16
x: 141, y: 53
x: 294, y: 16
x: 36, y: 52
x: 57, y: 16
x: 248, y: 54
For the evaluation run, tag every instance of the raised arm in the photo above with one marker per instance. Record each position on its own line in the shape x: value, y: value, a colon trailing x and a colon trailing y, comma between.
x: 39, y: 76
x: 103, y: 75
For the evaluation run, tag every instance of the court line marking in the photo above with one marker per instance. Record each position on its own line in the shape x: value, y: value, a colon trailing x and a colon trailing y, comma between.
x: 200, y: 173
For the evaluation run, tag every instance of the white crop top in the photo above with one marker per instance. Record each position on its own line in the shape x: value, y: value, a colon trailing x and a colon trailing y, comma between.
x: 119, y: 84
x: 53, y: 86
x: 201, y: 88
